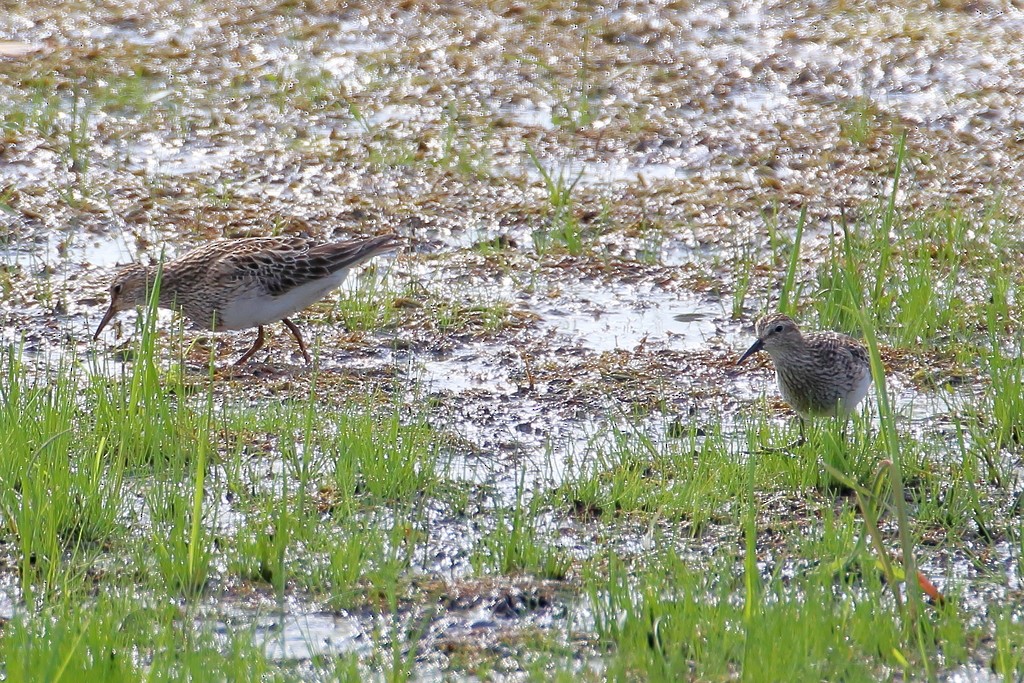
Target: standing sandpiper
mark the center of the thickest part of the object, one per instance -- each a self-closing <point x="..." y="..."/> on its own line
<point x="819" y="374"/>
<point x="242" y="283"/>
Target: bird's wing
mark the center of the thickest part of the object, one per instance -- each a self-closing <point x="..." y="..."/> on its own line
<point x="253" y="260"/>
<point x="280" y="264"/>
<point x="839" y="350"/>
<point x="860" y="354"/>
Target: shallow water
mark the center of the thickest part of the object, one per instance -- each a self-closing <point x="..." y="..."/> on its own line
<point x="688" y="130"/>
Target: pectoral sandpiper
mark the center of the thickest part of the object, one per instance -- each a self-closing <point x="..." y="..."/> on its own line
<point x="819" y="374"/>
<point x="241" y="283"/>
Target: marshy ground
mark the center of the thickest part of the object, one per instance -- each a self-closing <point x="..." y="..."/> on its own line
<point x="523" y="450"/>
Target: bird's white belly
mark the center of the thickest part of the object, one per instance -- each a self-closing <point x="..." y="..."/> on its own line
<point x="260" y="308"/>
<point x="856" y="394"/>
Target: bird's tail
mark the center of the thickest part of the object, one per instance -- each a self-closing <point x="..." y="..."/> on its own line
<point x="350" y="253"/>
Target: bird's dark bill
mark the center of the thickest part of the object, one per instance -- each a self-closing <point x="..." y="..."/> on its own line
<point x="106" y="319"/>
<point x="754" y="348"/>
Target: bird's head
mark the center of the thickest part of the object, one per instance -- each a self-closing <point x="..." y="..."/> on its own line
<point x="776" y="334"/>
<point x="129" y="289"/>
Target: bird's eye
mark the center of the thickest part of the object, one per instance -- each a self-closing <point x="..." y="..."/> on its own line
<point x="116" y="289"/>
<point x="778" y="328"/>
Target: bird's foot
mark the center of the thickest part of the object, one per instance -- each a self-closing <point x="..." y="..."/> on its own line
<point x="787" y="449"/>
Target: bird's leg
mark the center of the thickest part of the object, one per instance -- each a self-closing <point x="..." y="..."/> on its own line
<point x="256" y="346"/>
<point x="845" y="431"/>
<point x="801" y="440"/>
<point x="298" y="337"/>
<point x="788" y="447"/>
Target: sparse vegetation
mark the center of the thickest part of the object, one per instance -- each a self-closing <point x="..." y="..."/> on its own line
<point x="523" y="449"/>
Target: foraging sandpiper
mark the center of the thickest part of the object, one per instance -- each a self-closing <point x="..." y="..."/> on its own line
<point x="819" y="374"/>
<point x="240" y="283"/>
